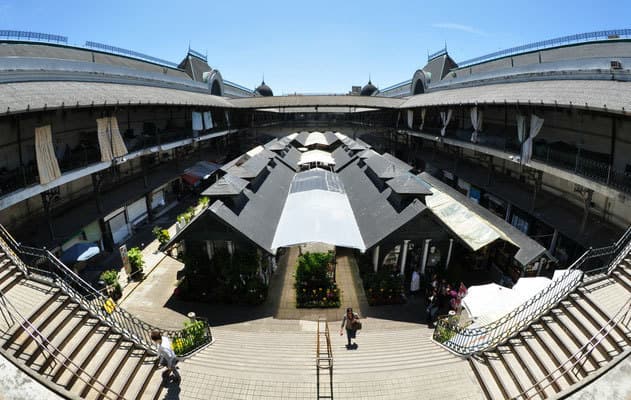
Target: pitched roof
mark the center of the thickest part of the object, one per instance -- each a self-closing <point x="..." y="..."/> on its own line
<point x="227" y="185"/>
<point x="409" y="184"/>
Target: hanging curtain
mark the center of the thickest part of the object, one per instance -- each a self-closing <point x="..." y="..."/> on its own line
<point x="110" y="140"/>
<point x="118" y="144"/>
<point x="47" y="165"/>
<point x="476" y="122"/>
<point x="208" y="120"/>
<point x="227" y="114"/>
<point x="103" y="133"/>
<point x="410" y="119"/>
<point x="535" y="126"/>
<point x="521" y="128"/>
<point x="422" y="119"/>
<point x="445" y="117"/>
<point x="197" y="121"/>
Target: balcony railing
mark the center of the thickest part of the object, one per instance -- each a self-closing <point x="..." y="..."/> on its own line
<point x="43" y="264"/>
<point x="580" y="162"/>
<point x="467" y="341"/>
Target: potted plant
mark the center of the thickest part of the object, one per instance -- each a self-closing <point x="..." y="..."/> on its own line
<point x="136" y="262"/>
<point x="161" y="235"/>
<point x="113" y="287"/>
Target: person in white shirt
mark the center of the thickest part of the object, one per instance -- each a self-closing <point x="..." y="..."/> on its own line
<point x="167" y="356"/>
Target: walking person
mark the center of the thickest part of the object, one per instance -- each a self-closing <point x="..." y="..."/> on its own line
<point x="351" y="323"/>
<point x="167" y="357"/>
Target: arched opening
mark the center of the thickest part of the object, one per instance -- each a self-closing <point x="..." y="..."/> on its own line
<point x="418" y="87"/>
<point x="215" y="89"/>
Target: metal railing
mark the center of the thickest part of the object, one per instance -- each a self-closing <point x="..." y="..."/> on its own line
<point x="324" y="355"/>
<point x="580" y="356"/>
<point x="43" y="264"/>
<point x="32" y="36"/>
<point x="54" y="352"/>
<point x="545" y="44"/>
<point x="467" y="341"/>
<point x="575" y="161"/>
<point x="131" y="53"/>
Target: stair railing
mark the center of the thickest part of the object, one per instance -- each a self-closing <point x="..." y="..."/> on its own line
<point x="467" y="341"/>
<point x="579" y="357"/>
<point x="43" y="264"/>
<point x="324" y="355"/>
<point x="54" y="352"/>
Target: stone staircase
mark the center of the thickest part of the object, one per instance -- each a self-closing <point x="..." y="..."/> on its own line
<point x="531" y="357"/>
<point x="83" y="357"/>
<point x="277" y="359"/>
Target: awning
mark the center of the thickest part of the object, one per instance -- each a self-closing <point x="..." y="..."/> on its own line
<point x="468" y="226"/>
<point x="200" y="171"/>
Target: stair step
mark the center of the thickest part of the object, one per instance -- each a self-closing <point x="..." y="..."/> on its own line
<point x="147" y="383"/>
<point x="61" y="320"/>
<point x="557" y="347"/>
<point x="541" y="364"/>
<point x="125" y="379"/>
<point x="82" y="355"/>
<point x="597" y="322"/>
<point x="96" y="364"/>
<point x="107" y="372"/>
<point x="484" y="377"/>
<point x="68" y="342"/>
<point x="18" y="331"/>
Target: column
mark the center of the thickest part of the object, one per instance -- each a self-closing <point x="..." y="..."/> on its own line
<point x="375" y="258"/>
<point x="404" y="256"/>
<point x="554" y="241"/>
<point x="425" y="253"/>
<point x="451" y="245"/>
<point x="509" y="208"/>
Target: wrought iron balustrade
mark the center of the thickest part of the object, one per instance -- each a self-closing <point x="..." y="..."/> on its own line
<point x="466" y="341"/>
<point x="43" y="264"/>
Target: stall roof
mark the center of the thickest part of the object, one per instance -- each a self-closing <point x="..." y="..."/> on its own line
<point x="384" y="168"/>
<point x="247" y="167"/>
<point x="409" y="184"/>
<point x="316" y="156"/>
<point x="227" y="185"/>
<point x="316" y="138"/>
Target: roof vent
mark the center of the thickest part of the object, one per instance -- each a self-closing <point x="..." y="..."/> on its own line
<point x="615" y="64"/>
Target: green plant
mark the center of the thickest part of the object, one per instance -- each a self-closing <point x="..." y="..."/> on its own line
<point x="186" y="216"/>
<point x="203" y="202"/>
<point x="194" y="334"/>
<point x="110" y="277"/>
<point x="443" y="333"/>
<point x="135" y="261"/>
<point x="314" y="287"/>
<point x="161" y="235"/>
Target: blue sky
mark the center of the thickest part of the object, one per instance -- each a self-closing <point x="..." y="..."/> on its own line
<point x="316" y="46"/>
